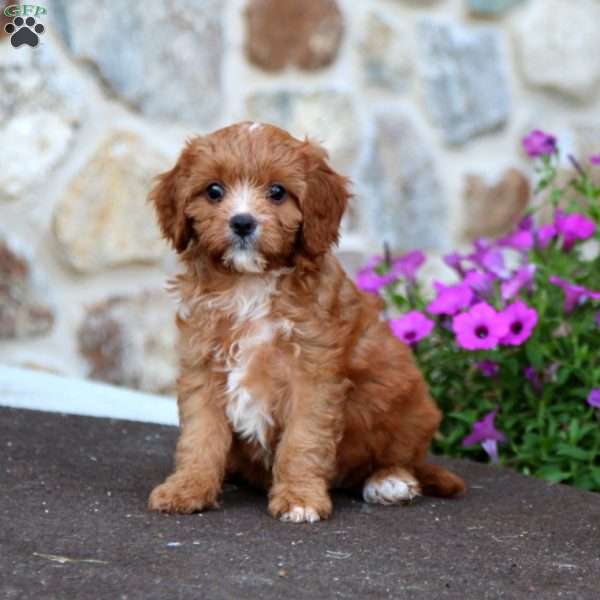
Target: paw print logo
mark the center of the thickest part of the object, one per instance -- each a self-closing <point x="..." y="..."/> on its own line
<point x="24" y="32"/>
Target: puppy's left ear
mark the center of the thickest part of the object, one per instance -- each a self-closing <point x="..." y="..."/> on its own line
<point x="324" y="202"/>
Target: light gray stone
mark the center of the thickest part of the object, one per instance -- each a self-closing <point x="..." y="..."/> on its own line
<point x="40" y="107"/>
<point x="417" y="3"/>
<point x="103" y="219"/>
<point x="131" y="341"/>
<point x="24" y="307"/>
<point x="352" y="260"/>
<point x="327" y="116"/>
<point x="465" y="84"/>
<point x="492" y="8"/>
<point x="385" y="58"/>
<point x="400" y="191"/>
<point x="559" y="45"/>
<point x="587" y="144"/>
<point x="162" y="57"/>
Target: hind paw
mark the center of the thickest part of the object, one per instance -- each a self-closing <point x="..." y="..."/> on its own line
<point x="394" y="488"/>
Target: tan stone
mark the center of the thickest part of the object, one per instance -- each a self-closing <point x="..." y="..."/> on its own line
<point x="132" y="341"/>
<point x="103" y="219"/>
<point x="280" y="33"/>
<point x="24" y="308"/>
<point x="491" y="210"/>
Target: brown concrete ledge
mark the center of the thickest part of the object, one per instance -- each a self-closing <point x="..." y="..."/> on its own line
<point x="74" y="526"/>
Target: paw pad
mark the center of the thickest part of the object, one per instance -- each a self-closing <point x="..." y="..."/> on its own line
<point x="24" y="31"/>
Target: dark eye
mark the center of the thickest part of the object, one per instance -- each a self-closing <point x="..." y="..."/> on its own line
<point x="215" y="192"/>
<point x="277" y="193"/>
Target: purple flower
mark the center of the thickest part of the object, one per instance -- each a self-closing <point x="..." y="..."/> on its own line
<point x="409" y="264"/>
<point x="574" y="294"/>
<point x="538" y="143"/>
<point x="370" y="281"/>
<point x="523" y="277"/>
<point x="595" y="160"/>
<point x="533" y="378"/>
<point x="521" y="239"/>
<point x="598" y="319"/>
<point x="485" y="433"/>
<point x="489" y="258"/>
<point x="412" y="327"/>
<point x="593" y="398"/>
<point x="489" y="368"/>
<point x="526" y="223"/>
<point x="573" y="227"/>
<point x="545" y="234"/>
<point x="454" y="261"/>
<point x="450" y="299"/>
<point x="521" y="322"/>
<point x="481" y="328"/>
<point x="481" y="283"/>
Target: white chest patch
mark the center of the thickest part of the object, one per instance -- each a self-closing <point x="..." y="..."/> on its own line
<point x="249" y="304"/>
<point x="248" y="415"/>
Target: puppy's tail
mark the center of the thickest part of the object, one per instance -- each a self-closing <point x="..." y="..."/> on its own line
<point x="437" y="481"/>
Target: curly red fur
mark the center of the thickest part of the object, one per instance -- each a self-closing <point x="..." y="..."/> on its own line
<point x="289" y="377"/>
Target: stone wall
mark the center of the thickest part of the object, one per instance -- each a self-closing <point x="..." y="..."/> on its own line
<point x="422" y="102"/>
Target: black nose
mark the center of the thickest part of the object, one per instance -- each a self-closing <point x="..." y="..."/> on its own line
<point x="243" y="225"/>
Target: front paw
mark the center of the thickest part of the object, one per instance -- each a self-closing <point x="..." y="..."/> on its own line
<point x="180" y="494"/>
<point x="294" y="508"/>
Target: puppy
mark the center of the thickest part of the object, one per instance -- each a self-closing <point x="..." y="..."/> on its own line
<point x="289" y="377"/>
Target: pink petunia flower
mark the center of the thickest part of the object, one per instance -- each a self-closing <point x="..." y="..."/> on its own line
<point x="485" y="433"/>
<point x="522" y="278"/>
<point x="412" y="327"/>
<point x="545" y="234"/>
<point x="409" y="264"/>
<point x="574" y="294"/>
<point x="573" y="228"/>
<point x="595" y="160"/>
<point x="539" y="143"/>
<point x="521" y="239"/>
<point x="450" y="299"/>
<point x="481" y="283"/>
<point x="488" y="368"/>
<point x="593" y="398"/>
<point x="526" y="223"/>
<point x="489" y="258"/>
<point x="521" y="321"/>
<point x="370" y="281"/>
<point x="481" y="328"/>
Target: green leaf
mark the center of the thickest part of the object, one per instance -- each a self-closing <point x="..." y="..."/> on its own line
<point x="552" y="473"/>
<point x="573" y="452"/>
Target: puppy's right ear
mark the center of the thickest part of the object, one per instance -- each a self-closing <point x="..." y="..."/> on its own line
<point x="169" y="204"/>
